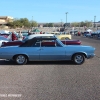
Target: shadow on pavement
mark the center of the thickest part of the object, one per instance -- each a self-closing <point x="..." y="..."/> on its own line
<point x="4" y="62"/>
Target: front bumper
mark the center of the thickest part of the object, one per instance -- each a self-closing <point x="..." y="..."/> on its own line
<point x="90" y="56"/>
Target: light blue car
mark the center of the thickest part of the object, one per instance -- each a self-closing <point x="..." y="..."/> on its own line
<point x="46" y="47"/>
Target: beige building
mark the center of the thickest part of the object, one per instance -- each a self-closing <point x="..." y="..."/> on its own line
<point x="5" y="19"/>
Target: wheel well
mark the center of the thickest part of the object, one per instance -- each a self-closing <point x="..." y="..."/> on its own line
<point x="19" y="54"/>
<point x="63" y="38"/>
<point x="79" y="53"/>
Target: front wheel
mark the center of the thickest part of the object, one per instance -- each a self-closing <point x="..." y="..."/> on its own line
<point x="21" y="59"/>
<point x="79" y="59"/>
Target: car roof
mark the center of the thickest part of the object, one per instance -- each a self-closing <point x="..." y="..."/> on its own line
<point x="39" y="35"/>
<point x="43" y="38"/>
<point x="29" y="42"/>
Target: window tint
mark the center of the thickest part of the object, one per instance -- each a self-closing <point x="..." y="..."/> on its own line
<point x="36" y="43"/>
<point x="49" y="43"/>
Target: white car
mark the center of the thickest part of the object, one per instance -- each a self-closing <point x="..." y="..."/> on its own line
<point x="3" y="39"/>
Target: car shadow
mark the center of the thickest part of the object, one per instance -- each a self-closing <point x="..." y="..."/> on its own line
<point x="51" y="63"/>
<point x="5" y="62"/>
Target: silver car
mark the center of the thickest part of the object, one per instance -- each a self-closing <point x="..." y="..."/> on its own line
<point x="46" y="47"/>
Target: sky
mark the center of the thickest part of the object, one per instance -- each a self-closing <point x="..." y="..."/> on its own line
<point x="52" y="11"/>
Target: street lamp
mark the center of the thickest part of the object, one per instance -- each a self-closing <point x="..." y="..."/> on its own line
<point x="32" y="21"/>
<point x="61" y="22"/>
<point x="91" y="24"/>
<point x="66" y="17"/>
<point x="94" y="21"/>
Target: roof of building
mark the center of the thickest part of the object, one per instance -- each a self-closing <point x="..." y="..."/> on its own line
<point x="6" y="17"/>
<point x="3" y="23"/>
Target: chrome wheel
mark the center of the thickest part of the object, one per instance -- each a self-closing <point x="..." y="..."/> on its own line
<point x="79" y="59"/>
<point x="21" y="59"/>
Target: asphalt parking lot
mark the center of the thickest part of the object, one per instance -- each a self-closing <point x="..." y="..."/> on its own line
<point x="52" y="80"/>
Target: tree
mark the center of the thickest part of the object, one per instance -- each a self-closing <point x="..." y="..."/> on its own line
<point x="45" y="25"/>
<point x="34" y="24"/>
<point x="22" y="22"/>
<point x="50" y="25"/>
<point x="81" y="24"/>
<point x="75" y="24"/>
<point x="25" y="22"/>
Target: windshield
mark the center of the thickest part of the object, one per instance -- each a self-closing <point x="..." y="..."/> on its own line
<point x="25" y="39"/>
<point x="59" y="41"/>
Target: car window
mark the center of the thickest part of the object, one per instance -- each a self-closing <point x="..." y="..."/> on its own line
<point x="25" y="39"/>
<point x="49" y="43"/>
<point x="45" y="43"/>
<point x="36" y="43"/>
<point x="28" y="43"/>
<point x="41" y="42"/>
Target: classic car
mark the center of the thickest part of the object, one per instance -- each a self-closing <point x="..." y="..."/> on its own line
<point x="71" y="42"/>
<point x="62" y="35"/>
<point x="18" y="42"/>
<point x="36" y="48"/>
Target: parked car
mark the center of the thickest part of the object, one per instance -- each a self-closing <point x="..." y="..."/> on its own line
<point x="88" y="35"/>
<point x="71" y="42"/>
<point x="74" y="32"/>
<point x="36" y="48"/>
<point x="85" y="33"/>
<point x="18" y="42"/>
<point x="95" y="34"/>
<point x="62" y="35"/>
<point x="3" y="39"/>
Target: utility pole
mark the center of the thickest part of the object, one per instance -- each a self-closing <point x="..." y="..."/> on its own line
<point x="32" y="21"/>
<point x="66" y="17"/>
<point x="66" y="20"/>
<point x="94" y="21"/>
<point x="61" y="22"/>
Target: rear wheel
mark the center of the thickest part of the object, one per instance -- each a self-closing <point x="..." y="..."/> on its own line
<point x="21" y="59"/>
<point x="79" y="59"/>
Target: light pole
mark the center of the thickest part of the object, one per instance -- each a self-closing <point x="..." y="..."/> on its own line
<point x="66" y="17"/>
<point x="91" y="24"/>
<point x="32" y="21"/>
<point x="61" y="22"/>
<point x="94" y="21"/>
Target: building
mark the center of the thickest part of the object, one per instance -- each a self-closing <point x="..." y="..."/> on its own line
<point x="5" y="19"/>
<point x="96" y="24"/>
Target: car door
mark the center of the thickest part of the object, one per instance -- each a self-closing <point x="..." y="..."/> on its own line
<point x="52" y="52"/>
<point x="34" y="51"/>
